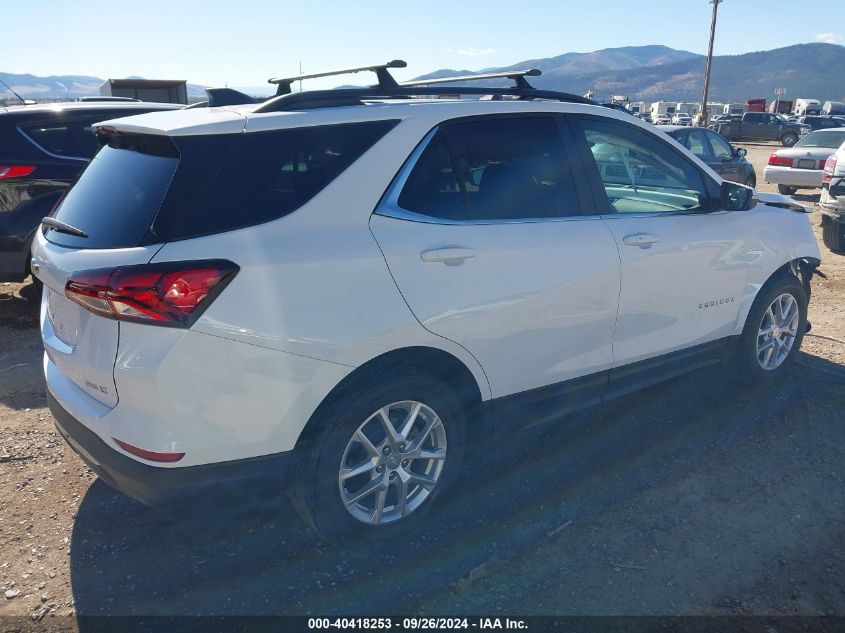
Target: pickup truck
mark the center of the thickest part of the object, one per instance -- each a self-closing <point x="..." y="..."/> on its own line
<point x="761" y="126"/>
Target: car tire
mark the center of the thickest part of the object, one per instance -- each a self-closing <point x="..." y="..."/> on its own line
<point x="833" y="235"/>
<point x="752" y="360"/>
<point x="751" y="181"/>
<point x="328" y="503"/>
<point x="789" y="139"/>
<point x="787" y="190"/>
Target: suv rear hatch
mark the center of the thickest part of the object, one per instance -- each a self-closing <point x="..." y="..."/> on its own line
<point x="129" y="179"/>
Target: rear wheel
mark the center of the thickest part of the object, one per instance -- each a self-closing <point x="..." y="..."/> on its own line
<point x="773" y="331"/>
<point x="833" y="235"/>
<point x="787" y="190"/>
<point x="789" y="139"/>
<point x="384" y="457"/>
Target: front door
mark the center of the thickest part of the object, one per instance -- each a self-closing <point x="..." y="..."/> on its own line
<point x="683" y="268"/>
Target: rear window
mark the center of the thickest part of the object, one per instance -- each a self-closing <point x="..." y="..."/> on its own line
<point x="150" y="189"/>
<point x="119" y="193"/>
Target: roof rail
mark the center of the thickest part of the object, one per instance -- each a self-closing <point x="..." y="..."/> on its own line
<point x="517" y="75"/>
<point x="357" y="96"/>
<point x="385" y="79"/>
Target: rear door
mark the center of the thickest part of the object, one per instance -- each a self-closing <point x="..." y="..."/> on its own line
<point x="490" y="233"/>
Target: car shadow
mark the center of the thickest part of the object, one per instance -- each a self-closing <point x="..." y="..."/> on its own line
<point x="260" y="559"/>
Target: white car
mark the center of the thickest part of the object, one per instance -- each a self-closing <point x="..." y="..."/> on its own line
<point x="333" y="294"/>
<point x="832" y="201"/>
<point x="662" y="119"/>
<point x="682" y="118"/>
<point x="800" y="166"/>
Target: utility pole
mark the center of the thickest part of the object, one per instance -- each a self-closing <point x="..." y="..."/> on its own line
<point x="704" y="112"/>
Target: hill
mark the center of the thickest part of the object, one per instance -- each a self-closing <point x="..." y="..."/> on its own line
<point x="805" y="70"/>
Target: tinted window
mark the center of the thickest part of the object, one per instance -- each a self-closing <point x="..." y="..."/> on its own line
<point x="721" y="148"/>
<point x="270" y="174"/>
<point x="639" y="173"/>
<point x="754" y="117"/>
<point x="119" y="193"/>
<point x="493" y="169"/>
<point x="68" y="137"/>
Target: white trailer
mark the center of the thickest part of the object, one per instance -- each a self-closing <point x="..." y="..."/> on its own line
<point x="734" y="108"/>
<point x="804" y="107"/>
<point x="662" y="107"/>
<point x="636" y="107"/>
<point x="688" y="107"/>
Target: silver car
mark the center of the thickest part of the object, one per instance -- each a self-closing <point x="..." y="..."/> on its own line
<point x="800" y="166"/>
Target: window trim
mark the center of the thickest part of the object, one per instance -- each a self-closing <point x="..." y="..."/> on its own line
<point x="48" y="152"/>
<point x="603" y="208"/>
<point x="388" y="205"/>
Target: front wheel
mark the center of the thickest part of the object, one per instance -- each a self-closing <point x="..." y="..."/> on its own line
<point x="787" y="190"/>
<point x="833" y="235"/>
<point x="751" y="181"/>
<point x="384" y="457"/>
<point x="789" y="139"/>
<point x="773" y="331"/>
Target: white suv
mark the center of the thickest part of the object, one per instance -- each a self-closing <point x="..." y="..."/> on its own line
<point x="330" y="291"/>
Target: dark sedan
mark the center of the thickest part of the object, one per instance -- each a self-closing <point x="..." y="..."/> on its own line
<point x="43" y="148"/>
<point x="711" y="147"/>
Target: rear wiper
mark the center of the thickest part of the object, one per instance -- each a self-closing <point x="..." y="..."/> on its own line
<point x="62" y="227"/>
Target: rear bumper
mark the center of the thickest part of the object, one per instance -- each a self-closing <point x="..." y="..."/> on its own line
<point x="163" y="487"/>
<point x="805" y="178"/>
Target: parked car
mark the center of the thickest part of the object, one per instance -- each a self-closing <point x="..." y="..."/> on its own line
<point x="722" y="157"/>
<point x="762" y="126"/>
<point x="832" y="201"/>
<point x="822" y="122"/>
<point x="336" y="301"/>
<point x="43" y="148"/>
<point x="801" y="166"/>
<point x="681" y="118"/>
<point x="662" y="119"/>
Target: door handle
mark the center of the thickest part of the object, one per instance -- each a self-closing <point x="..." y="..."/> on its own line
<point x="450" y="255"/>
<point x="643" y="240"/>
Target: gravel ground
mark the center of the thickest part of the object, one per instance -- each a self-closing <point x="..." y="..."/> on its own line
<point x="691" y="498"/>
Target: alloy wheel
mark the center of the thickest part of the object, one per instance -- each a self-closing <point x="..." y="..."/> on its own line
<point x="392" y="463"/>
<point x="777" y="332"/>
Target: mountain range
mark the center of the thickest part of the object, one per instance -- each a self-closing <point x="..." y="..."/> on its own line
<point x="643" y="73"/>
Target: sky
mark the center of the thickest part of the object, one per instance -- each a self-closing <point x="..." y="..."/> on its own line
<point x="245" y="42"/>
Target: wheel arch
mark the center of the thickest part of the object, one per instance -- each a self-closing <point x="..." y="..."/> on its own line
<point x="801" y="268"/>
<point x="443" y="365"/>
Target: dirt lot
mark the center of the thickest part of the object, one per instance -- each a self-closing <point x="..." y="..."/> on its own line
<point x="694" y="497"/>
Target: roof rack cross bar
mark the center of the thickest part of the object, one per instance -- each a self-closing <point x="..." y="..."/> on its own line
<point x="385" y="80"/>
<point x="518" y="77"/>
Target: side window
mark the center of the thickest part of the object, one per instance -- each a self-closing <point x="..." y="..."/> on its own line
<point x="493" y="169"/>
<point x="70" y="137"/>
<point x="753" y="117"/>
<point x="696" y="143"/>
<point x="639" y="173"/>
<point x="276" y="172"/>
<point x="721" y="148"/>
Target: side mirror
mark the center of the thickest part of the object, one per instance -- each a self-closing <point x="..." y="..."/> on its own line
<point x="741" y="152"/>
<point x="736" y="197"/>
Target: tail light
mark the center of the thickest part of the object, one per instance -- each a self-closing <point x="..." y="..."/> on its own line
<point x="171" y="294"/>
<point x="829" y="168"/>
<point x="15" y="171"/>
<point x="780" y="161"/>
